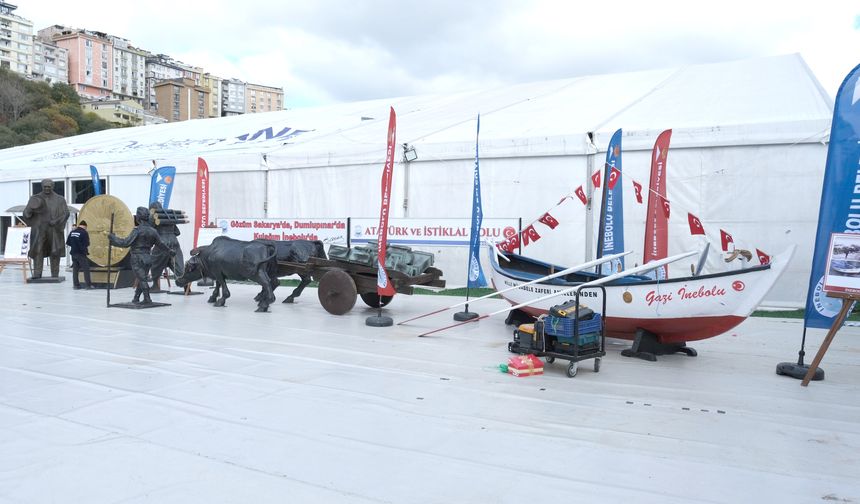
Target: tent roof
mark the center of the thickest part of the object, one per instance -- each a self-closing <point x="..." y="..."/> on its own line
<point x="756" y="101"/>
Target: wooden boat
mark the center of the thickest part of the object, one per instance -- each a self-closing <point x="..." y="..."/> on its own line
<point x="675" y="311"/>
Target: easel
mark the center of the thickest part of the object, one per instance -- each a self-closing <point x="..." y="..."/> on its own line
<point x="24" y="263"/>
<point x="848" y="299"/>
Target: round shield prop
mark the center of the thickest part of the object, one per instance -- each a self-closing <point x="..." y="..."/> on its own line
<point x="97" y="212"/>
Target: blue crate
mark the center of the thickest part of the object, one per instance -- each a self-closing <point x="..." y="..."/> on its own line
<point x="563" y="327"/>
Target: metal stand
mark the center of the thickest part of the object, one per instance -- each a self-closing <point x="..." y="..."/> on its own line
<point x="798" y="370"/>
<point x="465" y="314"/>
<point x="379" y="320"/>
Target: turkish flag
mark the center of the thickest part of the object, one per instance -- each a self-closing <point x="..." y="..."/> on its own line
<point x="549" y="220"/>
<point x="725" y="239"/>
<point x="512" y="243"/>
<point x="530" y="234"/>
<point x="614" y="174"/>
<point x="637" y="188"/>
<point x="595" y="177"/>
<point x="665" y="204"/>
<point x="696" y="227"/>
<point x="762" y="257"/>
<point x="581" y="193"/>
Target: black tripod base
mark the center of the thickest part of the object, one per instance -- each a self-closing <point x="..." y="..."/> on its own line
<point x="379" y="321"/>
<point x="798" y="371"/>
<point x="465" y="315"/>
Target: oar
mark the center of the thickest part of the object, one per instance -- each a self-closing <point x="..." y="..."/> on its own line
<point x="599" y="281"/>
<point x="572" y="269"/>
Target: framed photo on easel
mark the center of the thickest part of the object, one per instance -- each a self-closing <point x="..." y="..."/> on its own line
<point x="842" y="273"/>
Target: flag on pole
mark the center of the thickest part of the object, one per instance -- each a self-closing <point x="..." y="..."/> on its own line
<point x="162" y="185"/>
<point x="201" y="198"/>
<point x="97" y="183"/>
<point x="610" y="234"/>
<point x="839" y="202"/>
<point x="657" y="221"/>
<point x="383" y="283"/>
<point x="476" y="274"/>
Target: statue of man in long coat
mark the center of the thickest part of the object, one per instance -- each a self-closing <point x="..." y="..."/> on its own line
<point x="46" y="213"/>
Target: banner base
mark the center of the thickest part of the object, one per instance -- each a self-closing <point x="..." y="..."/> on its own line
<point x="465" y="315"/>
<point x="798" y="371"/>
<point x="379" y="321"/>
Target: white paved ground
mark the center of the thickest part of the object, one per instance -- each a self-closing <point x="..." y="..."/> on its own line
<point x="194" y="404"/>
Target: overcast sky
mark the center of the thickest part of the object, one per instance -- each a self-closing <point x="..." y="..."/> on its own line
<point x="327" y="51"/>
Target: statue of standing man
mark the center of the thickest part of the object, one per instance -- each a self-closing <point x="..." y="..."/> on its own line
<point x="46" y="213"/>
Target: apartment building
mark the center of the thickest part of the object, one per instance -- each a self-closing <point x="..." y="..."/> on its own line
<point x="90" y="59"/>
<point x="181" y="99"/>
<point x="16" y="41"/>
<point x="232" y="97"/>
<point x="159" y="68"/>
<point x="50" y="61"/>
<point x="259" y="98"/>
<point x="118" y="112"/>
<point x="212" y="84"/>
<point x="129" y="71"/>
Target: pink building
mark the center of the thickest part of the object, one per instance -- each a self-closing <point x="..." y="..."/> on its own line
<point x="90" y="60"/>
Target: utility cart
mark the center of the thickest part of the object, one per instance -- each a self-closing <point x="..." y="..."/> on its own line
<point x="567" y="333"/>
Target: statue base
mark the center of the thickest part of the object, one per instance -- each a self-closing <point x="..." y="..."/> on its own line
<point x="57" y="279"/>
<point x="183" y="293"/>
<point x="138" y="306"/>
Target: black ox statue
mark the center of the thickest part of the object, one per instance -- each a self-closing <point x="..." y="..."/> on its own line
<point x="229" y="259"/>
<point x="295" y="251"/>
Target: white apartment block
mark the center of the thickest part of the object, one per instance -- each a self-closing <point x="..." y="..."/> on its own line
<point x="129" y="71"/>
<point x="232" y="97"/>
<point x="16" y="41"/>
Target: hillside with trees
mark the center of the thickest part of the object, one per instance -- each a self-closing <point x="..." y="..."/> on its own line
<point x="35" y="111"/>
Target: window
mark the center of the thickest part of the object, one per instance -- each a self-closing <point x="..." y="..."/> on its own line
<point x="82" y="190"/>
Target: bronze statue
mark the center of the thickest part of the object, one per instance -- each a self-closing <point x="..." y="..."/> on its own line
<point x="168" y="231"/>
<point x="142" y="239"/>
<point x="46" y="213"/>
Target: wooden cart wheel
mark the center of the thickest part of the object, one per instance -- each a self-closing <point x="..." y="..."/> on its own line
<point x="371" y="299"/>
<point x="337" y="292"/>
<point x="572" y="369"/>
<point x="597" y="365"/>
<point x="550" y="359"/>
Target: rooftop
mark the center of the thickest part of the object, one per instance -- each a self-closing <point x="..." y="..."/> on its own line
<point x="191" y="403"/>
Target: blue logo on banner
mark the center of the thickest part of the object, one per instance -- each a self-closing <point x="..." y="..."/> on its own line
<point x="97" y="185"/>
<point x="476" y="274"/>
<point x="840" y="195"/>
<point x="162" y="185"/>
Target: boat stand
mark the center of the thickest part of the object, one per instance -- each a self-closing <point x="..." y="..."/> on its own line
<point x="646" y="347"/>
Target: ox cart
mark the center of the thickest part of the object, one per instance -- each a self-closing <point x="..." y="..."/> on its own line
<point x="352" y="273"/>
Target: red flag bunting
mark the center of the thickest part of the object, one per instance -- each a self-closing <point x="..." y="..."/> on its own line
<point x="665" y="204"/>
<point x="762" y="257"/>
<point x="549" y="220"/>
<point x="614" y="174"/>
<point x="696" y="227"/>
<point x="595" y="178"/>
<point x="581" y="193"/>
<point x="725" y="239"/>
<point x="637" y="188"/>
<point x="530" y="234"/>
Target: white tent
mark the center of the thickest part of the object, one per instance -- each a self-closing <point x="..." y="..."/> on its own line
<point x="747" y="155"/>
